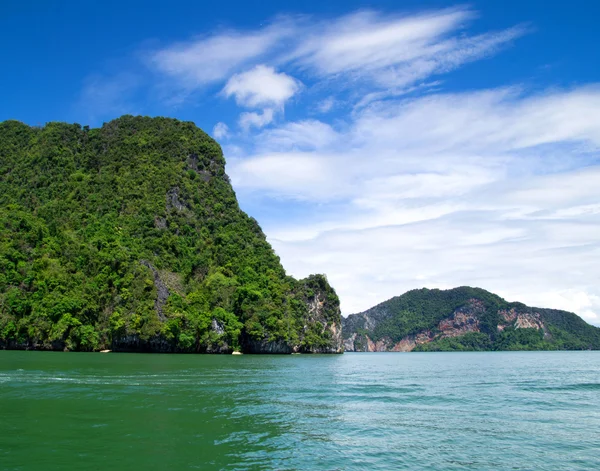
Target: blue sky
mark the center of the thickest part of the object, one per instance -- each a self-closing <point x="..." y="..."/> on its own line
<point x="391" y="145"/>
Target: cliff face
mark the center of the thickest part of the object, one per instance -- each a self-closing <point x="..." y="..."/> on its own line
<point x="464" y="319"/>
<point x="129" y="237"/>
<point x="321" y="323"/>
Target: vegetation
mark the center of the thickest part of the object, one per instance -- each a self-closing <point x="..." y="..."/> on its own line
<point x="131" y="236"/>
<point x="422" y="310"/>
<point x="418" y="310"/>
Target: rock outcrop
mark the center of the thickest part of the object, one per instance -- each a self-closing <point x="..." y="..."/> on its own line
<point x="162" y="292"/>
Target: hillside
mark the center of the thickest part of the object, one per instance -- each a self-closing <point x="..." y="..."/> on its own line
<point x="464" y="318"/>
<point x="129" y="237"/>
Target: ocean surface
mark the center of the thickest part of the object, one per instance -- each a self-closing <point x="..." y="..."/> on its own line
<point x="357" y="411"/>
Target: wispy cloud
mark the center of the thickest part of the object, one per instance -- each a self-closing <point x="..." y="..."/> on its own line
<point x="492" y="130"/>
<point x="299" y="135"/>
<point x="214" y="58"/>
<point x="220" y="131"/>
<point x="368" y="40"/>
<point x="326" y="105"/>
<point x="253" y="119"/>
<point x="482" y="188"/>
<point x="391" y="53"/>
<point x="369" y="54"/>
<point x="397" y="51"/>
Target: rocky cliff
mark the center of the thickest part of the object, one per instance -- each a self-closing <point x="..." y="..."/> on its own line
<point x="464" y="319"/>
<point x="129" y="237"/>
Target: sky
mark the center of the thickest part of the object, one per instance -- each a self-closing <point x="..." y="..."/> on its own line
<point x="391" y="145"/>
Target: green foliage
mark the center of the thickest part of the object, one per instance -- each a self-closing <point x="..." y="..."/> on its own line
<point x="423" y="310"/>
<point x="81" y="209"/>
<point x="522" y="339"/>
<point x="471" y="341"/>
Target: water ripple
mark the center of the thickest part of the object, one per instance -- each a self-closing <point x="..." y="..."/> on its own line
<point x="471" y="411"/>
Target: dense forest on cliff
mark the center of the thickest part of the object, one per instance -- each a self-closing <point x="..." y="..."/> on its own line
<point x="130" y="237"/>
<point x="466" y="318"/>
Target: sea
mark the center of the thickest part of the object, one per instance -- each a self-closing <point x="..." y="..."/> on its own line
<point x="356" y="411"/>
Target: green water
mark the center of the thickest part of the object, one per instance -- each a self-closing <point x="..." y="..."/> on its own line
<point x="446" y="411"/>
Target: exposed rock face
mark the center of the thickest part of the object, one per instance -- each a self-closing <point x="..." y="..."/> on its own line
<point x="217" y="327"/>
<point x="409" y="342"/>
<point x="133" y="343"/>
<point x="323" y="312"/>
<point x="349" y="345"/>
<point x="464" y="319"/>
<point x="508" y="315"/>
<point x="159" y="344"/>
<point x="160" y="222"/>
<point x="337" y="345"/>
<point x="526" y="321"/>
<point x="459" y="324"/>
<point x="266" y="346"/>
<point x="162" y="293"/>
<point x="192" y="163"/>
<point x="521" y="320"/>
<point x="367" y="320"/>
<point x="357" y="343"/>
<point x="323" y="318"/>
<point x="173" y="201"/>
<point x="320" y="309"/>
<point x="379" y="346"/>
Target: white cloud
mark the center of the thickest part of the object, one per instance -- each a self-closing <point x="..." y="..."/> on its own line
<point x="393" y="52"/>
<point x="534" y="262"/>
<point x="396" y="51"/>
<point x="308" y="134"/>
<point x="220" y="131"/>
<point x="367" y="40"/>
<point x="261" y="87"/>
<point x="211" y="59"/>
<point x="249" y="120"/>
<point x="294" y="170"/>
<point x="326" y="105"/>
<point x="474" y="137"/>
<point x="496" y="189"/>
<point x="496" y="120"/>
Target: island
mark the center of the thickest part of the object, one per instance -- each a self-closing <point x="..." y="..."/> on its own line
<point x="129" y="237"/>
<point x="464" y="319"/>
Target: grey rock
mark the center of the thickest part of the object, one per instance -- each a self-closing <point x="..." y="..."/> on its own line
<point x="173" y="201"/>
<point x="160" y="223"/>
<point x="217" y="327"/>
<point x="162" y="292"/>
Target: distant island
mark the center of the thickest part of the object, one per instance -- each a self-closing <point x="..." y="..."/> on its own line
<point x="129" y="237"/>
<point x="464" y="319"/>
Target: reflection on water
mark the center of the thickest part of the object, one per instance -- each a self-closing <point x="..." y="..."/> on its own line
<point x="447" y="411"/>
